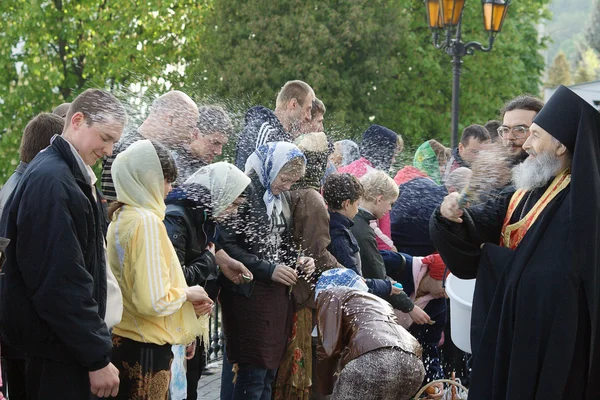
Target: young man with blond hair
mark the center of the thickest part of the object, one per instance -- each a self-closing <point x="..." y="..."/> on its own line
<point x="291" y="118"/>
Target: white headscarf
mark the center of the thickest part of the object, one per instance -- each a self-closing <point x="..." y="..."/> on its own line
<point x="138" y="178"/>
<point x="224" y="181"/>
<point x="267" y="161"/>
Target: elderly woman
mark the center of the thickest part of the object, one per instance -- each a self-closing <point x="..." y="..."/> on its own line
<point x="345" y="153"/>
<point x="158" y="304"/>
<point x="311" y="234"/>
<point x="257" y="317"/>
<point x="360" y="335"/>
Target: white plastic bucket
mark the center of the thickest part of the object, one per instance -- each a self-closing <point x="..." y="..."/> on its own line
<point x="460" y="292"/>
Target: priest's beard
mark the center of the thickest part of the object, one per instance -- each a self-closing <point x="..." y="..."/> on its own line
<point x="535" y="172"/>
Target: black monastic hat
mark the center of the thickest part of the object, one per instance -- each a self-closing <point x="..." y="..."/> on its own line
<point x="563" y="114"/>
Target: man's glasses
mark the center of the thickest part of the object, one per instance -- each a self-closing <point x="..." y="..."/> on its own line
<point x="519" y="131"/>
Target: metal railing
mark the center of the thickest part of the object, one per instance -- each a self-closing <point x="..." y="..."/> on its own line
<point x="215" y="334"/>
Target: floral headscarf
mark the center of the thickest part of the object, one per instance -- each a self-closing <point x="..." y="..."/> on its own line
<point x="267" y="161"/>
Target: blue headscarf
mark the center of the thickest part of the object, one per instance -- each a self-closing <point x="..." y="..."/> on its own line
<point x="340" y="277"/>
<point x="267" y="161"/>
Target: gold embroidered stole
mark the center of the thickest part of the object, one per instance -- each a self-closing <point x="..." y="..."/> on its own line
<point x="512" y="234"/>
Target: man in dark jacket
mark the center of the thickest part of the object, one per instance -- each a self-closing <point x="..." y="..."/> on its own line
<point x="211" y="134"/>
<point x="53" y="292"/>
<point x="36" y="137"/>
<point x="292" y="114"/>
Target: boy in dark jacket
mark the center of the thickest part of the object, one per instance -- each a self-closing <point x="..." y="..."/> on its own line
<point x="54" y="288"/>
<point x="342" y="193"/>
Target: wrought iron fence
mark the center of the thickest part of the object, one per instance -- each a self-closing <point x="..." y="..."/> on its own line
<point x="215" y="334"/>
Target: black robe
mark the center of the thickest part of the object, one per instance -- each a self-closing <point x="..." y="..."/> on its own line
<point x="530" y="326"/>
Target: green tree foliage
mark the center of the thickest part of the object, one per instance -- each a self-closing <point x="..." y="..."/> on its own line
<point x="369" y="61"/>
<point x="559" y="72"/>
<point x="53" y="50"/>
<point x="592" y="33"/>
<point x="588" y="67"/>
<point x="565" y="28"/>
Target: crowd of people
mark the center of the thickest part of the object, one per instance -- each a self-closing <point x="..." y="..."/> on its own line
<point x="328" y="270"/>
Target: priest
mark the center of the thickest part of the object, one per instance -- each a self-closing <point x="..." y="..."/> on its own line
<point x="535" y="251"/>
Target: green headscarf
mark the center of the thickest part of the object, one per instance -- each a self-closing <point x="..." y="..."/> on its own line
<point x="429" y="157"/>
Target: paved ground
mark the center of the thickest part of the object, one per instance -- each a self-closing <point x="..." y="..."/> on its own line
<point x="209" y="386"/>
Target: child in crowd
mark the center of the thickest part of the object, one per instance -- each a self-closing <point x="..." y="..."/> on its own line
<point x="353" y="243"/>
<point x="342" y="193"/>
<point x="380" y="192"/>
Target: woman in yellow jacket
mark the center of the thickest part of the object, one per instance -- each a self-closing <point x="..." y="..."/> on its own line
<point x="159" y="309"/>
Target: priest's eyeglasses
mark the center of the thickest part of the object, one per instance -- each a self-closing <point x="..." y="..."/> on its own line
<point x="519" y="131"/>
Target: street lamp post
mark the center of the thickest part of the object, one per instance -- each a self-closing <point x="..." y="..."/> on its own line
<point x="446" y="16"/>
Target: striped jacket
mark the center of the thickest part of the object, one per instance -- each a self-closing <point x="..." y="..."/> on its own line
<point x="261" y="126"/>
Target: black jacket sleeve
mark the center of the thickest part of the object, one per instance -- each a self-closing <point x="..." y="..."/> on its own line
<point x="370" y="258"/>
<point x="232" y="243"/>
<point x="51" y="262"/>
<point x="197" y="271"/>
<point x="401" y="302"/>
<point x="460" y="244"/>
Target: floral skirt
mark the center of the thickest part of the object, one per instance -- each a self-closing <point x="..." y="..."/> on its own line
<point x="144" y="369"/>
<point x="295" y="371"/>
